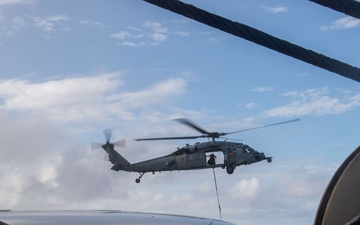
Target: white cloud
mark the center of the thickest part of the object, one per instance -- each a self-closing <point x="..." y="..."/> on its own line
<point x="18" y="22"/>
<point x="156" y="27"/>
<point x="151" y="34"/>
<point x="24" y="95"/>
<point x="133" y="44"/>
<point x="246" y="188"/>
<point x="182" y="33"/>
<point x="10" y="2"/>
<point x="275" y="9"/>
<point x="251" y="105"/>
<point x="134" y="28"/>
<point x="158" y="94"/>
<point x="39" y="157"/>
<point x="121" y="35"/>
<point x="51" y="23"/>
<point x="314" y="102"/>
<point x="261" y="89"/>
<point x="15" y="25"/>
<point x="93" y="23"/>
<point x="342" y="23"/>
<point x="158" y="37"/>
<point x="85" y="98"/>
<point x="296" y="185"/>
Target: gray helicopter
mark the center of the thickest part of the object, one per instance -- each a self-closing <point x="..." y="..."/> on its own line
<point x="189" y="157"/>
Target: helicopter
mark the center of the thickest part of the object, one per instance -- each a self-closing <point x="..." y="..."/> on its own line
<point x="189" y="157"/>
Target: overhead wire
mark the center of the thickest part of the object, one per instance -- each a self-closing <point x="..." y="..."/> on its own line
<point x="260" y="38"/>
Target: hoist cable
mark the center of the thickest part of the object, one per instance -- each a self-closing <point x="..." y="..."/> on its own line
<point x="217" y="193"/>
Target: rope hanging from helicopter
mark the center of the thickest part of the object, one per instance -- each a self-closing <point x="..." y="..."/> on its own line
<point x="217" y="193"/>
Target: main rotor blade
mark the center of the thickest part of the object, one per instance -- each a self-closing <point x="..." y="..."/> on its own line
<point x="253" y="128"/>
<point x="108" y="134"/>
<point x="168" y="138"/>
<point x="261" y="38"/>
<point x="192" y="125"/>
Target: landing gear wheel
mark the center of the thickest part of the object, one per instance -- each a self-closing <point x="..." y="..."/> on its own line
<point x="230" y="169"/>
<point x="138" y="179"/>
<point x="269" y="160"/>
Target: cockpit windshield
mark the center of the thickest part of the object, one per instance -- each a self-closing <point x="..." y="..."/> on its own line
<point x="247" y="149"/>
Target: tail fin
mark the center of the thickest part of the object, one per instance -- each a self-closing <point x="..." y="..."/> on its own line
<point x="120" y="163"/>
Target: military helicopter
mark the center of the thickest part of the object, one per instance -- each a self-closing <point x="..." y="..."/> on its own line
<point x="189" y="157"/>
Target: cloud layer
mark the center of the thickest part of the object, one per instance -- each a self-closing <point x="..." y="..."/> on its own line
<point x="40" y="154"/>
<point x="315" y="102"/>
<point x="342" y="23"/>
<point x="85" y="98"/>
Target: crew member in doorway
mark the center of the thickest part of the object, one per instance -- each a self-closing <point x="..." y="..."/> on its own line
<point x="212" y="158"/>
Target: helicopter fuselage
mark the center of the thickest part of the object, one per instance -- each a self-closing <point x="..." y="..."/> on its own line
<point x="192" y="157"/>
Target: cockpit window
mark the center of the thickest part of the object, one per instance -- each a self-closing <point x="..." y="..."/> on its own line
<point x="247" y="149"/>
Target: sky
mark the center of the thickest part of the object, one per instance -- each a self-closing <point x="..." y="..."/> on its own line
<point x="70" y="69"/>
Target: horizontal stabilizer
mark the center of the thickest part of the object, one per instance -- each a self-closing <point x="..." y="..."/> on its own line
<point x="117" y="167"/>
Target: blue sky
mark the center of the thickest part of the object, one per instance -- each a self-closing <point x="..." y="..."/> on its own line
<point x="69" y="70"/>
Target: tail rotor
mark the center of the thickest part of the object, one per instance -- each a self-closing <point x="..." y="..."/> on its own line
<point x="118" y="161"/>
<point x="108" y="134"/>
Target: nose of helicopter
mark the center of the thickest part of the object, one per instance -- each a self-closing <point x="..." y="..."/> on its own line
<point x="259" y="156"/>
